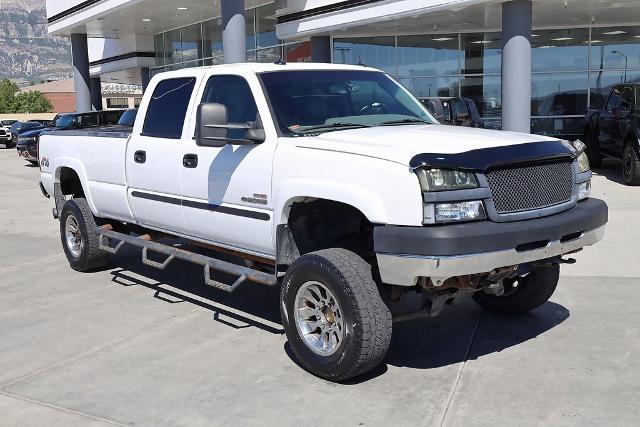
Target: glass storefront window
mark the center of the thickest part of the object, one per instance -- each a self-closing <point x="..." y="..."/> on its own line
<point x="615" y="48"/>
<point x="158" y="45"/>
<point x="486" y="93"/>
<point x="212" y="34"/>
<point x="427" y="87"/>
<point x="427" y="55"/>
<point x="601" y="83"/>
<point x="172" y="47"/>
<point x="266" y="26"/>
<point x="559" y="94"/>
<point x="560" y="50"/>
<point x="377" y="52"/>
<point x="482" y="53"/>
<point x="269" y="55"/>
<point x="191" y="46"/>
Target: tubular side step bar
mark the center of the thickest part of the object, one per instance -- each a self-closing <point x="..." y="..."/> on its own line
<point x="243" y="273"/>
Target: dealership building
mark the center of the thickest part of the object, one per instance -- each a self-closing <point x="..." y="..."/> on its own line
<point x="529" y="65"/>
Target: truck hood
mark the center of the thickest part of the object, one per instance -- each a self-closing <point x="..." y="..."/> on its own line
<point x="401" y="143"/>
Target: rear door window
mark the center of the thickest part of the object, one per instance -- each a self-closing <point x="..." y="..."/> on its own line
<point x="168" y="108"/>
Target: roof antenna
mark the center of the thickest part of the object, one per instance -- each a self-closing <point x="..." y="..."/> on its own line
<point x="280" y="62"/>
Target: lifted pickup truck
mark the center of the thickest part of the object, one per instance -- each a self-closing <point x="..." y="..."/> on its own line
<point x="614" y="131"/>
<point x="334" y="183"/>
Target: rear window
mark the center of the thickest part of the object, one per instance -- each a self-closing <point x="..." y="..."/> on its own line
<point x="168" y="107"/>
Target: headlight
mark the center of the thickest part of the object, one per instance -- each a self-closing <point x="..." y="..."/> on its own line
<point x="454" y="212"/>
<point x="446" y="180"/>
<point x="583" y="163"/>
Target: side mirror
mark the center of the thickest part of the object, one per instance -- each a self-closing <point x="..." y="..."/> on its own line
<point x="212" y="128"/>
<point x="211" y="125"/>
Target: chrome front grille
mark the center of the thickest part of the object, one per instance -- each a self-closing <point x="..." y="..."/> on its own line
<point x="531" y="187"/>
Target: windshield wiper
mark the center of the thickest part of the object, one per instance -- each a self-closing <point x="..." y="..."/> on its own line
<point x="335" y="126"/>
<point x="404" y="122"/>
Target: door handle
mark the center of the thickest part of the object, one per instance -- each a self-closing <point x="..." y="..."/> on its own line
<point x="140" y="156"/>
<point x="190" y="161"/>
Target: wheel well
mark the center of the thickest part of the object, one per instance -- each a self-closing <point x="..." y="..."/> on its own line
<point x="70" y="184"/>
<point x="317" y="224"/>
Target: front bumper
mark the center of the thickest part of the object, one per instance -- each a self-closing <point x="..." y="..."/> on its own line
<point x="406" y="253"/>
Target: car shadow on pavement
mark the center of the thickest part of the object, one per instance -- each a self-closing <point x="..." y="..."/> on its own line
<point x="455" y="338"/>
<point x="182" y="282"/>
<point x="462" y="332"/>
<point x="610" y="169"/>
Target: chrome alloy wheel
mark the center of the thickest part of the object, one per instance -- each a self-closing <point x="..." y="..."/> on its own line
<point x="318" y="318"/>
<point x="73" y="236"/>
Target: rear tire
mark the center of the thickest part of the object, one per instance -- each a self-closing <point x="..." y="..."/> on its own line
<point x="333" y="290"/>
<point x="593" y="149"/>
<point x="79" y="237"/>
<point x="522" y="294"/>
<point x="630" y="165"/>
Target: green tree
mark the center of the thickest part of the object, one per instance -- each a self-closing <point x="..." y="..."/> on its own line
<point x="8" y="91"/>
<point x="32" y="102"/>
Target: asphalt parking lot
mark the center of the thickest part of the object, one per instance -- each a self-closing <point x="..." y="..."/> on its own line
<point x="132" y="345"/>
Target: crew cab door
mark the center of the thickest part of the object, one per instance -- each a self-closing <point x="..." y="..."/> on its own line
<point x="607" y="122"/>
<point x="227" y="190"/>
<point x="154" y="154"/>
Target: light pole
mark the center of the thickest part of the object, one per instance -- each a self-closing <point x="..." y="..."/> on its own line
<point x="626" y="63"/>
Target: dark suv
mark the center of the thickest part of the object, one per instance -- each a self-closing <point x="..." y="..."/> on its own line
<point x="28" y="141"/>
<point x="614" y="131"/>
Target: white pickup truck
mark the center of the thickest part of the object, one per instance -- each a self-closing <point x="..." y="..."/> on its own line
<point x="334" y="183"/>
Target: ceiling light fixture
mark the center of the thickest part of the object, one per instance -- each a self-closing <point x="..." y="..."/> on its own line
<point x="183" y="8"/>
<point x="614" y="33"/>
<point x="442" y="39"/>
<point x="146" y="20"/>
<point x="562" y="39"/>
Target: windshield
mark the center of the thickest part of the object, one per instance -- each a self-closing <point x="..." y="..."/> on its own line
<point x="311" y="102"/>
<point x="7" y="122"/>
<point x="65" y="121"/>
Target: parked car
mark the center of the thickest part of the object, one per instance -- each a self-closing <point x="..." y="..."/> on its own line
<point x="338" y="187"/>
<point x="454" y="111"/>
<point x="27" y="145"/>
<point x="559" y="104"/>
<point x="614" y="131"/>
<point x="18" y="128"/>
<point x="5" y="132"/>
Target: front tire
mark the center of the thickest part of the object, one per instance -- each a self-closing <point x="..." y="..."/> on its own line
<point x="630" y="165"/>
<point x="336" y="322"/>
<point x="522" y="294"/>
<point x="79" y="238"/>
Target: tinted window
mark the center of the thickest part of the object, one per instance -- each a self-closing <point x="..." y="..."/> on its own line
<point x="111" y="117"/>
<point x="626" y="98"/>
<point x="614" y="99"/>
<point x="87" y="120"/>
<point x="128" y="118"/>
<point x="168" y="107"/>
<point x="234" y="93"/>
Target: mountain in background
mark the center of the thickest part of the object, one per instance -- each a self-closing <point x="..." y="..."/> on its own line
<point x="27" y="53"/>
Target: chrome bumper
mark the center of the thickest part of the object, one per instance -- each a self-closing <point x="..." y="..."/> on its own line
<point x="404" y="269"/>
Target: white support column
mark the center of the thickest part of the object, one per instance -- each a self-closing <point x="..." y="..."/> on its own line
<point x="234" y="32"/>
<point x="516" y="65"/>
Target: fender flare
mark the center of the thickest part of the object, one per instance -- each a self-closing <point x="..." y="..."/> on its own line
<point x="365" y="200"/>
<point x="78" y="168"/>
